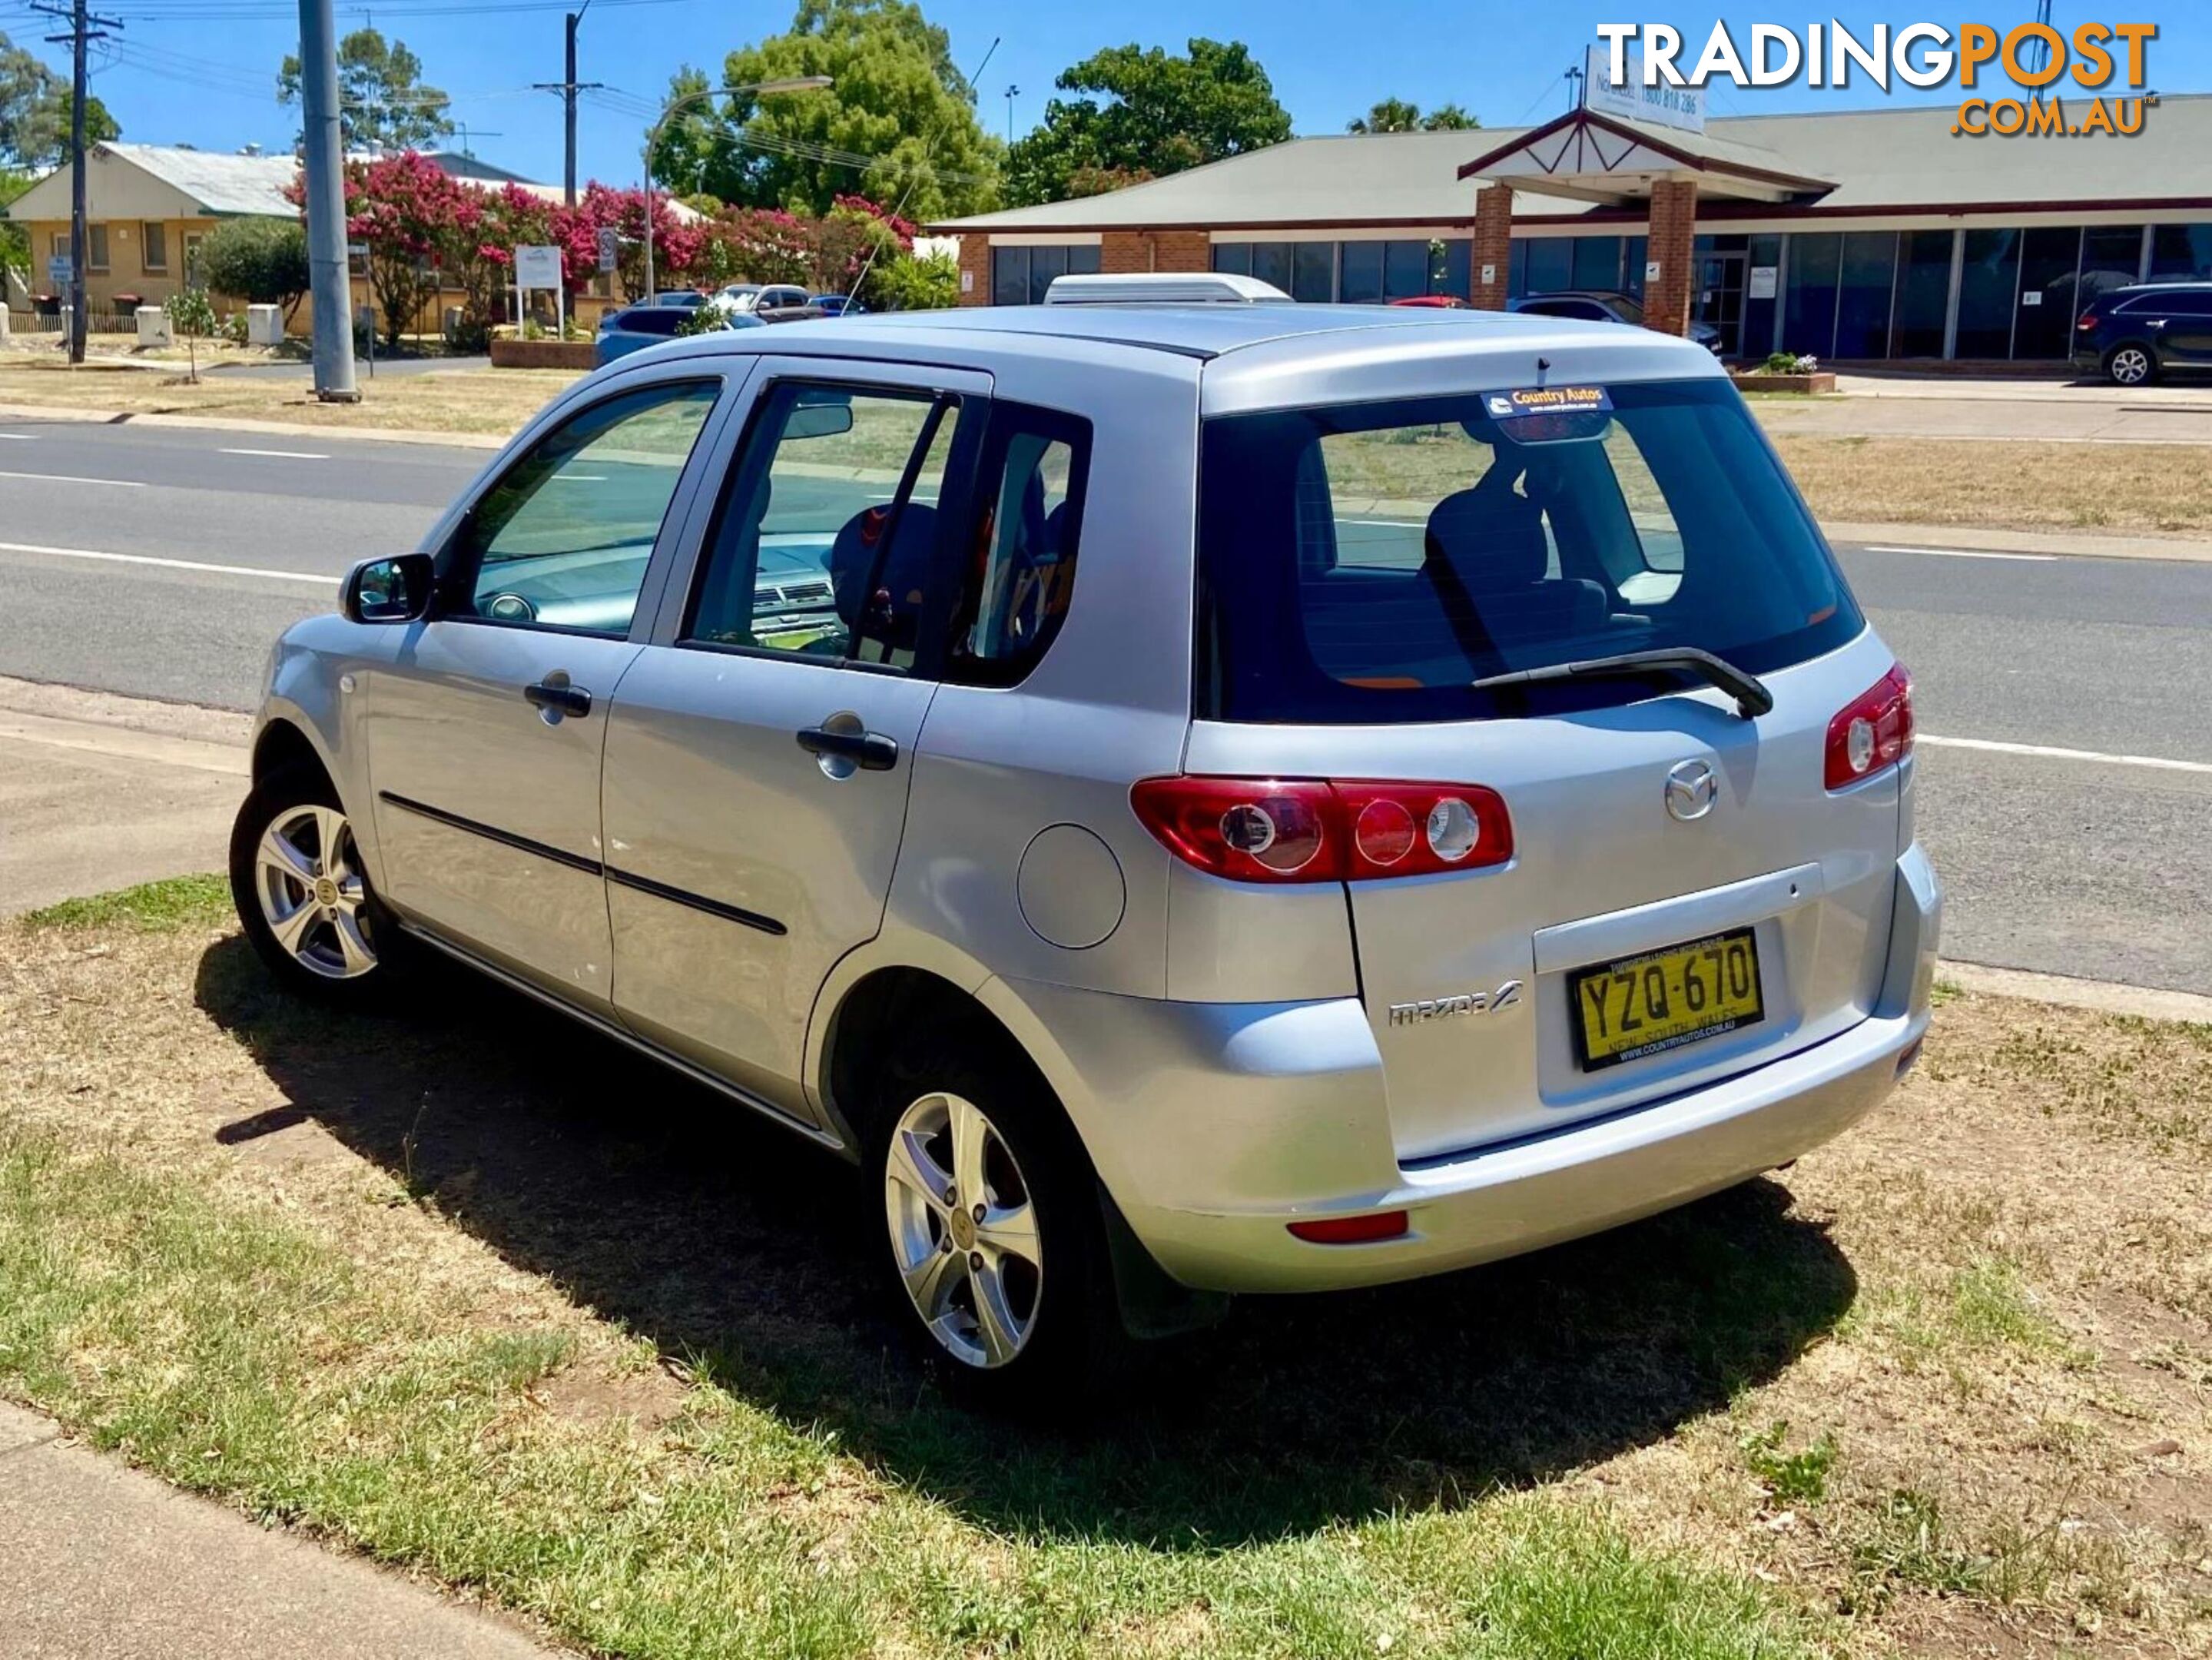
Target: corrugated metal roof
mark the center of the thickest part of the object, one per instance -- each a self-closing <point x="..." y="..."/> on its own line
<point x="219" y="183"/>
<point x="1888" y="158"/>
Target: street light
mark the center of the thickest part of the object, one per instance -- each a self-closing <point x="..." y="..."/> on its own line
<point x="790" y="83"/>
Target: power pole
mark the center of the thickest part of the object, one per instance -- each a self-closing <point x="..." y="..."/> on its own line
<point x="568" y="86"/>
<point x="84" y="28"/>
<point x="329" y="282"/>
<point x="1013" y="93"/>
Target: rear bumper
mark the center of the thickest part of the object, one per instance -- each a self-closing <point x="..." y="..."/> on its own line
<point x="1214" y="1126"/>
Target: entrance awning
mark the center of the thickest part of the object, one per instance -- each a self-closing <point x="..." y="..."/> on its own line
<point x="1612" y="160"/>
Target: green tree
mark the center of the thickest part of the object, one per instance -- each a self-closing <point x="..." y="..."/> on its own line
<point x="900" y="117"/>
<point x="262" y="261"/>
<point x="382" y="102"/>
<point x="1397" y="115"/>
<point x="34" y="113"/>
<point x="191" y="315"/>
<point x="15" y="239"/>
<point x="1143" y="114"/>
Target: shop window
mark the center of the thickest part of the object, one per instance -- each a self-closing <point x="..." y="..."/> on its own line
<point x="1634" y="253"/>
<point x="1596" y="263"/>
<point x="1313" y="271"/>
<point x="1020" y="275"/>
<point x="1234" y="257"/>
<point x="1045" y="264"/>
<point x="1454" y="273"/>
<point x="1360" y="281"/>
<point x="1010" y="276"/>
<point x="1923" y="294"/>
<point x="1808" y="308"/>
<point x="1988" y="283"/>
<point x="1551" y="264"/>
<point x="2180" y="252"/>
<point x="1863" y="296"/>
<point x="2050" y="277"/>
<point x="1516" y="270"/>
<point x="1762" y="295"/>
<point x="1271" y="263"/>
<point x="2112" y="255"/>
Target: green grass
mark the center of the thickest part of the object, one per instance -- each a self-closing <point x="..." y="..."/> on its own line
<point x="235" y="1349"/>
<point x="176" y="901"/>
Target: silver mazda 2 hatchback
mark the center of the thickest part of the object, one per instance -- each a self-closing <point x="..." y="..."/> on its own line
<point x="1193" y="797"/>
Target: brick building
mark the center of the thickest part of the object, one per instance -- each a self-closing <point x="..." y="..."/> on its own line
<point x="1853" y="235"/>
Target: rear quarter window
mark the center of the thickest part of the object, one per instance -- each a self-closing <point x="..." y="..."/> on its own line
<point x="1366" y="562"/>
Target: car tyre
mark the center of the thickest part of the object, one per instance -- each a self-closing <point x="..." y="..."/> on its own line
<point x="302" y="897"/>
<point x="2130" y="364"/>
<point x="988" y="1229"/>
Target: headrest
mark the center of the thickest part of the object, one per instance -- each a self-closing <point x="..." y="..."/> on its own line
<point x="1493" y="537"/>
<point x="890" y="609"/>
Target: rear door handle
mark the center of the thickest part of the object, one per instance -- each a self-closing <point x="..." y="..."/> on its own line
<point x="559" y="696"/>
<point x="869" y="750"/>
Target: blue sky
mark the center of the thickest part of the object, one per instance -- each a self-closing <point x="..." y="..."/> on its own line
<point x="203" y="72"/>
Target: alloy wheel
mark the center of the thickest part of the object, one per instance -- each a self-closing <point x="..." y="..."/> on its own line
<point x="306" y="875"/>
<point x="2130" y="366"/>
<point x="964" y="1231"/>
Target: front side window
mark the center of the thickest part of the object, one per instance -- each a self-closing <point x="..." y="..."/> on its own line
<point x="1018" y="586"/>
<point x="824" y="539"/>
<point x="1367" y="563"/>
<point x="563" y="539"/>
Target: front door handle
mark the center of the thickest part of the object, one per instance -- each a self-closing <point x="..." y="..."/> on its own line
<point x="558" y="696"/>
<point x="871" y="752"/>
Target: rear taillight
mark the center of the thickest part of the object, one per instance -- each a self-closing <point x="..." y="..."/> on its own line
<point x="2088" y="322"/>
<point x="1873" y="730"/>
<point x="1315" y="830"/>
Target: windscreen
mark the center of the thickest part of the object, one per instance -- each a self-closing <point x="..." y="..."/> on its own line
<point x="1366" y="562"/>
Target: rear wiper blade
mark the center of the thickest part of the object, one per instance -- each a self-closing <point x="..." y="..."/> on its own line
<point x="1752" y="697"/>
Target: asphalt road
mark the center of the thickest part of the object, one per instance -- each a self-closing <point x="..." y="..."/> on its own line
<point x="2091" y="863"/>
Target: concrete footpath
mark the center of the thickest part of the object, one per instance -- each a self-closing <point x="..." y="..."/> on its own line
<point x="99" y="792"/>
<point x="101" y="1562"/>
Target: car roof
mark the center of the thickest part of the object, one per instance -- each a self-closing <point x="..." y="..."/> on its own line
<point x="1254" y="356"/>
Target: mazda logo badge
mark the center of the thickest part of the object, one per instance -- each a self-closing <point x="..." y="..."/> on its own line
<point x="1690" y="790"/>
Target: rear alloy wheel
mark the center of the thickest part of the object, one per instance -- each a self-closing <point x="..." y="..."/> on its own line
<point x="2130" y="366"/>
<point x="964" y="1231"/>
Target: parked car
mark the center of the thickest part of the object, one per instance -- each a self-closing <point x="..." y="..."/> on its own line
<point x="1599" y="306"/>
<point x="772" y="302"/>
<point x="1193" y="798"/>
<point x="2135" y="334"/>
<point x="692" y="298"/>
<point x="837" y="305"/>
<point x="1445" y="302"/>
<point x="635" y="327"/>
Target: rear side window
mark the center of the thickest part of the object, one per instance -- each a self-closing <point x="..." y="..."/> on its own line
<point x="653" y="319"/>
<point x="1021" y="573"/>
<point x="1365" y="562"/>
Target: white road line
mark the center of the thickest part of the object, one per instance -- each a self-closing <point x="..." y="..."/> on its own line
<point x="64" y="478"/>
<point x="171" y="565"/>
<point x="2047" y="752"/>
<point x="281" y="455"/>
<point x="1967" y="553"/>
<point x="19" y="437"/>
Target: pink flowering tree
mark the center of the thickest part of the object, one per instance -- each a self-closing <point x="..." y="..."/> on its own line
<point x="412" y="214"/>
<point x="676" y="244"/>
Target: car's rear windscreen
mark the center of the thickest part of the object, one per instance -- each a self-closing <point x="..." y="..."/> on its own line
<point x="1365" y="562"/>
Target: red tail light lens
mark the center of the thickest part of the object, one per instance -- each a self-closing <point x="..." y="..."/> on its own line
<point x="1873" y="730"/>
<point x="1352" y="1230"/>
<point x="2088" y="322"/>
<point x="1313" y="830"/>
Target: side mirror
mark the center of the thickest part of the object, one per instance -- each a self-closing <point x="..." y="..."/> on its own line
<point x="389" y="590"/>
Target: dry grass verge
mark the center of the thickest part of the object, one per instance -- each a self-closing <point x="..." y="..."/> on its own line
<point x="2004" y="484"/>
<point x="479" y="1295"/>
<point x="456" y="401"/>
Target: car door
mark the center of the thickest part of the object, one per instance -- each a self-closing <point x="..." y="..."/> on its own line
<point x="485" y="732"/>
<point x="2186" y="339"/>
<point x="758" y="760"/>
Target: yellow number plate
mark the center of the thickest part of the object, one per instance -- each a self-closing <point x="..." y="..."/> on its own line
<point x="1662" y="1000"/>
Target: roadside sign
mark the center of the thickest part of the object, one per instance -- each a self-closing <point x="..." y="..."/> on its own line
<point x="610" y="247"/>
<point x="60" y="271"/>
<point x="538" y="267"/>
<point x="357" y="249"/>
<point x="1669" y="106"/>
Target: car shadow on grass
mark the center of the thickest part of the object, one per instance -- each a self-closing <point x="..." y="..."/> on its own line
<point x="738" y="1247"/>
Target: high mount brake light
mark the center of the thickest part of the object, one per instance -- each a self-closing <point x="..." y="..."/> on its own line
<point x="1316" y="829"/>
<point x="1872" y="730"/>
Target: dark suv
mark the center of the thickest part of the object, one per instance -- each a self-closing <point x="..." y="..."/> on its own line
<point x="2137" y="333"/>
